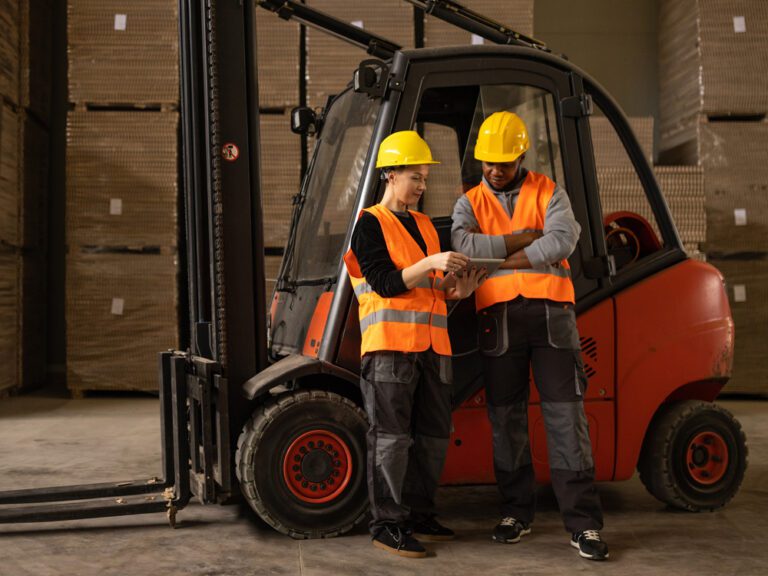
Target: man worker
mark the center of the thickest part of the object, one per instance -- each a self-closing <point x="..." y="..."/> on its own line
<point x="527" y="320"/>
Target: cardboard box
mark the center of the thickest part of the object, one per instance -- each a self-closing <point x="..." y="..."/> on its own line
<point x="9" y="320"/>
<point x="280" y="176"/>
<point x="122" y="178"/>
<point x="123" y="52"/>
<point x="713" y="60"/>
<point x="735" y="164"/>
<point x="9" y="50"/>
<point x="608" y="149"/>
<point x="331" y="62"/>
<point x="121" y="311"/>
<point x="747" y="285"/>
<point x="516" y="14"/>
<point x="278" y="60"/>
<point x="9" y="176"/>
<point x="683" y="189"/>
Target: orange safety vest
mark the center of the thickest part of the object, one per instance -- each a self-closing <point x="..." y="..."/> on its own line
<point x="414" y="320"/>
<point x="552" y="282"/>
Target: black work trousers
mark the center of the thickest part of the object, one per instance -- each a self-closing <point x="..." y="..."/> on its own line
<point x="408" y="401"/>
<point x="541" y="335"/>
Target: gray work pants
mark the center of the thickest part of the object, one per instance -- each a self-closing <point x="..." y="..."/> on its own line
<point x="541" y="335"/>
<point x="408" y="401"/>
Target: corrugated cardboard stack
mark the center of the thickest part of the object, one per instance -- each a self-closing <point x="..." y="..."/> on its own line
<point x="714" y="97"/>
<point x="279" y="54"/>
<point x="24" y="145"/>
<point x="712" y="62"/>
<point x="734" y="156"/>
<point x="123" y="51"/>
<point x="122" y="192"/>
<point x="331" y="62"/>
<point x="517" y="14"/>
<point x="621" y="189"/>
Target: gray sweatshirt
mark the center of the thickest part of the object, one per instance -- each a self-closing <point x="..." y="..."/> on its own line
<point x="561" y="231"/>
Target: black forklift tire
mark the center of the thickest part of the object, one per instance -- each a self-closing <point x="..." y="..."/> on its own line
<point x="301" y="462"/>
<point x="694" y="456"/>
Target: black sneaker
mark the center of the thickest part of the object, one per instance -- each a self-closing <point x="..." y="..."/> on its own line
<point x="589" y="545"/>
<point x="431" y="530"/>
<point x="393" y="539"/>
<point x="509" y="530"/>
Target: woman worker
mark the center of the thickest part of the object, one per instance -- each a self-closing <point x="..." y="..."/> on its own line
<point x="399" y="276"/>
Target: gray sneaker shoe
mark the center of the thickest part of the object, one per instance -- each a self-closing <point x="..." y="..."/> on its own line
<point x="510" y="530"/>
<point x="590" y="545"/>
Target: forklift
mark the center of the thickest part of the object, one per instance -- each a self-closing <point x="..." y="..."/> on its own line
<point x="264" y="405"/>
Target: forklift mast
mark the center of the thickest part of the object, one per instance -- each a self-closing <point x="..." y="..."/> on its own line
<point x="202" y="408"/>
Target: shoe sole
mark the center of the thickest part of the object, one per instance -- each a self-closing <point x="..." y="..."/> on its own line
<point x="403" y="553"/>
<point x="588" y="556"/>
<point x="433" y="537"/>
<point x="515" y="541"/>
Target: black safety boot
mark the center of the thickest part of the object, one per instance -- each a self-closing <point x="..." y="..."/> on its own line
<point x="590" y="545"/>
<point x="510" y="530"/>
<point x="430" y="530"/>
<point x="396" y="540"/>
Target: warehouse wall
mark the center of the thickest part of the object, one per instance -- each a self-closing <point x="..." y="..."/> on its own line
<point x="614" y="40"/>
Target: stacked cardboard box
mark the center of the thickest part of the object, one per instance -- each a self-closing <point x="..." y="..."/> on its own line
<point x="122" y="191"/>
<point x="9" y="318"/>
<point x="280" y="176"/>
<point x="122" y="179"/>
<point x="122" y="233"/>
<point x="278" y="53"/>
<point x="608" y="149"/>
<point x="682" y="186"/>
<point x="517" y="14"/>
<point x="9" y="50"/>
<point x="712" y="62"/>
<point x="331" y="62"/>
<point x="121" y="312"/>
<point x="123" y="51"/>
<point x="747" y="285"/>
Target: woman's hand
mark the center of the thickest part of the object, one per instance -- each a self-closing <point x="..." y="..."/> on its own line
<point x="464" y="286"/>
<point x="448" y="261"/>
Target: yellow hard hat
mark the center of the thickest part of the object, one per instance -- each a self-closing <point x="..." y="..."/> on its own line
<point x="404" y="148"/>
<point x="503" y="137"/>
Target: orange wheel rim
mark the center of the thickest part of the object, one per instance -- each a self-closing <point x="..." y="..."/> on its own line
<point x="707" y="458"/>
<point x="317" y="466"/>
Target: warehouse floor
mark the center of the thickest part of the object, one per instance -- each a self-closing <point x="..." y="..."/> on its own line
<point x="47" y="440"/>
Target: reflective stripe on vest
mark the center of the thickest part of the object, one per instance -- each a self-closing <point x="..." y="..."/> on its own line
<point x="552" y="282"/>
<point x="414" y="320"/>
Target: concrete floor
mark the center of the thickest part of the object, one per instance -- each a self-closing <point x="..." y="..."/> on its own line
<point x="46" y="441"/>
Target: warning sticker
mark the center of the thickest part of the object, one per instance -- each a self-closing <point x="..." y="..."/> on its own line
<point x="230" y="152"/>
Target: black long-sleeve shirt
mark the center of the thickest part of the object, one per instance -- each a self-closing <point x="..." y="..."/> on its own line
<point x="370" y="248"/>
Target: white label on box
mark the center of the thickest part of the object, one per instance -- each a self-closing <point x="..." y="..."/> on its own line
<point x="358" y="23"/>
<point x="120" y="21"/>
<point x="740" y="216"/>
<point x="117" y="306"/>
<point x="739" y="293"/>
<point x="739" y="24"/>
<point x="115" y="206"/>
<point x="477" y="39"/>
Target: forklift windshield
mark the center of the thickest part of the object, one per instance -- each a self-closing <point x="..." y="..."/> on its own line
<point x="328" y="195"/>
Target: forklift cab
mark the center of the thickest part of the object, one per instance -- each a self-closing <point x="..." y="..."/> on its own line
<point x="445" y="94"/>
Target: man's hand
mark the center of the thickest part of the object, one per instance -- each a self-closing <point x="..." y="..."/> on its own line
<point x="448" y="261"/>
<point x="516" y="242"/>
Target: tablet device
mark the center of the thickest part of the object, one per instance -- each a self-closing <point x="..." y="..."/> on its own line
<point x="490" y="265"/>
